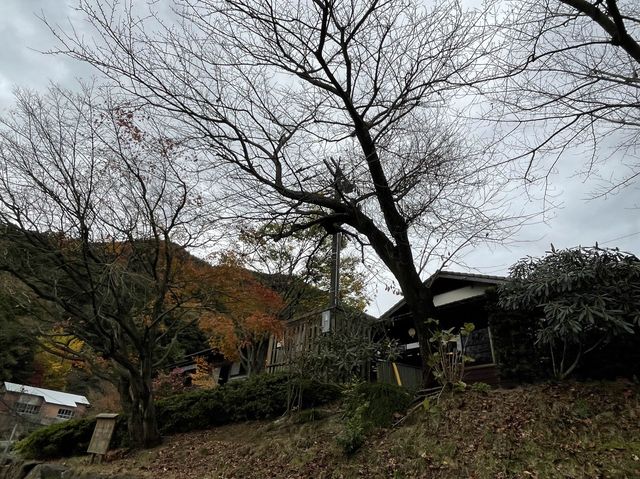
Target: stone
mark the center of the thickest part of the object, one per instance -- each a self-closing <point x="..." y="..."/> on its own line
<point x="23" y="468"/>
<point x="46" y="471"/>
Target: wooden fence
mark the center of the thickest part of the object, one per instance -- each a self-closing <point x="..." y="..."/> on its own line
<point x="300" y="336"/>
<point x="401" y="374"/>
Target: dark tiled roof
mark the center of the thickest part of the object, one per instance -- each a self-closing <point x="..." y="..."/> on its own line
<point x="456" y="275"/>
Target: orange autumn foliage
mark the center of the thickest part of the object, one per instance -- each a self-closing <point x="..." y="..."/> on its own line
<point x="234" y="308"/>
<point x="203" y="377"/>
<point x="248" y="314"/>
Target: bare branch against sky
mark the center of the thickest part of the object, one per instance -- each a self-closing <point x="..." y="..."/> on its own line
<point x="578" y="221"/>
<point x="569" y="82"/>
<point x="97" y="208"/>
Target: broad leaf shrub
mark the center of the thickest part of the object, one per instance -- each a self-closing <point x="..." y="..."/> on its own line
<point x="261" y="397"/>
<point x="573" y="312"/>
<point x="448" y="364"/>
<point x="368" y="406"/>
<point x="519" y="358"/>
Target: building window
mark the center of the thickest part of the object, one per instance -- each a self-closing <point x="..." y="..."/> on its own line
<point x="65" y="413"/>
<point x="24" y="408"/>
<point x="479" y="347"/>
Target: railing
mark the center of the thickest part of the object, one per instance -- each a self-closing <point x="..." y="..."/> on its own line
<point x="298" y="336"/>
<point x="301" y="333"/>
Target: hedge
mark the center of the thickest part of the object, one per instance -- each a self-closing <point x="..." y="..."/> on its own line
<point x="261" y="397"/>
<point x="65" y="439"/>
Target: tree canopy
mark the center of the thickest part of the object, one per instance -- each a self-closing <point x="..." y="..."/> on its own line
<point x="331" y="114"/>
<point x="248" y="315"/>
<point x="95" y="216"/>
<point x="299" y="265"/>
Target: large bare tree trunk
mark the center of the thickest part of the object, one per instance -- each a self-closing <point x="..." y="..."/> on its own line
<point x="419" y="300"/>
<point x="137" y="402"/>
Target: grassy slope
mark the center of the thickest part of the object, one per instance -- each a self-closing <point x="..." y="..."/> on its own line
<point x="566" y="431"/>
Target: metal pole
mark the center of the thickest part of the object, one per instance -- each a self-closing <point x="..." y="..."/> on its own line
<point x="334" y="292"/>
<point x="334" y="297"/>
<point x="342" y="185"/>
<point x="6" y="448"/>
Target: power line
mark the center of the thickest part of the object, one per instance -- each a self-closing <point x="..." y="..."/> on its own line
<point x="621" y="237"/>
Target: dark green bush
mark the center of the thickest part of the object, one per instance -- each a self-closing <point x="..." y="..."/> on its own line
<point x="521" y="360"/>
<point x="353" y="436"/>
<point x="58" y="440"/>
<point x="514" y="340"/>
<point x="368" y="406"/>
<point x="261" y="397"/>
<point x="315" y="393"/>
<point x="382" y="401"/>
<point x="65" y="439"/>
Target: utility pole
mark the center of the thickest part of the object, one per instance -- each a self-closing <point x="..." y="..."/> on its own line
<point x="341" y="185"/>
<point x="334" y="292"/>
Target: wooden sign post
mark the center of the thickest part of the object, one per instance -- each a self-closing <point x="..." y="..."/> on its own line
<point x="105" y="425"/>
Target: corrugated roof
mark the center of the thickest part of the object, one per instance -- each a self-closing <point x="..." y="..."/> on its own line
<point x="49" y="395"/>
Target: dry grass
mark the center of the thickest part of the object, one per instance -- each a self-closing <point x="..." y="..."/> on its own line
<point x="571" y="430"/>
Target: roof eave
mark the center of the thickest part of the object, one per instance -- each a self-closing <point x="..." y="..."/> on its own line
<point x="478" y="278"/>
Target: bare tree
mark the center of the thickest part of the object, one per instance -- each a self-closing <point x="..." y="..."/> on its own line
<point x="325" y="113"/>
<point x="96" y="212"/>
<point x="569" y="72"/>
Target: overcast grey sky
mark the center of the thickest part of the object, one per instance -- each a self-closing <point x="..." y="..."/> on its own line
<point x="612" y="221"/>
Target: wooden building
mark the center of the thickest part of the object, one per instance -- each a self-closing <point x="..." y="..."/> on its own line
<point x="300" y="335"/>
<point x="459" y="298"/>
<point x="30" y="407"/>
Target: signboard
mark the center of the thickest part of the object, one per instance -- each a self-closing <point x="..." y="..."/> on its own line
<point x="105" y="424"/>
<point x="326" y="321"/>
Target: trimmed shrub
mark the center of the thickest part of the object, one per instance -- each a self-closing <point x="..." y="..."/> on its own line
<point x="261" y="397"/>
<point x="315" y="393"/>
<point x="65" y="439"/>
